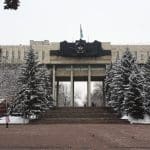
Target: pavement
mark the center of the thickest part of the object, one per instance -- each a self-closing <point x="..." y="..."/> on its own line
<point x="75" y="137"/>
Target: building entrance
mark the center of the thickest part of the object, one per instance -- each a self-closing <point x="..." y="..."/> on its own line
<point x="80" y="94"/>
<point x="73" y="73"/>
<point x="78" y="61"/>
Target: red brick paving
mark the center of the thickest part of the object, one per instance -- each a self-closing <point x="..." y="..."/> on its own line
<point x="75" y="137"/>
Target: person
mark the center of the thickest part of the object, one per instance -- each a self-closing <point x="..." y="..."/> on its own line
<point x="7" y="121"/>
<point x="93" y="105"/>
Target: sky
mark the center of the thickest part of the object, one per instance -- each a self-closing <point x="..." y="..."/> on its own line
<point x="115" y="21"/>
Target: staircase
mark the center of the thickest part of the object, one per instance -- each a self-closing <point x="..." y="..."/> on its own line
<point x="79" y="115"/>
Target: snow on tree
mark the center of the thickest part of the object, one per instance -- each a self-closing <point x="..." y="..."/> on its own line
<point x="127" y="67"/>
<point x="108" y="80"/>
<point x="127" y="63"/>
<point x="117" y="88"/>
<point x="46" y="85"/>
<point x="118" y="82"/>
<point x="30" y="98"/>
<point x="133" y="95"/>
<point x="146" y="86"/>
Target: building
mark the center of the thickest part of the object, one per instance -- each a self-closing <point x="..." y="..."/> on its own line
<point x="76" y="61"/>
<point x="15" y="53"/>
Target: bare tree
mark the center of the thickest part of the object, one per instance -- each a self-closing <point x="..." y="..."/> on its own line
<point x="64" y="96"/>
<point x="8" y="81"/>
<point x="97" y="95"/>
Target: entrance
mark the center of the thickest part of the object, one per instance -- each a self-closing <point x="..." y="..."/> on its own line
<point x="78" y="61"/>
<point x="72" y="74"/>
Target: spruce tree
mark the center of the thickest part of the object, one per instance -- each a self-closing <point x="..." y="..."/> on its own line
<point x="146" y="86"/>
<point x="117" y="88"/>
<point x="107" y="82"/>
<point x="46" y="85"/>
<point x="30" y="98"/>
<point x="127" y="63"/>
<point x="127" y="66"/>
<point x="133" y="95"/>
<point x="117" y="81"/>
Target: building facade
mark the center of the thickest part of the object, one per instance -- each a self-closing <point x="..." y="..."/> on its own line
<point x="15" y="53"/>
<point x="77" y="61"/>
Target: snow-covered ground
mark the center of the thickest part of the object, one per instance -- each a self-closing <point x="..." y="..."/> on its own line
<point x="14" y="120"/>
<point x="146" y="119"/>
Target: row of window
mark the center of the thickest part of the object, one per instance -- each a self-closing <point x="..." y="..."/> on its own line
<point x="135" y="55"/>
<point x="19" y="54"/>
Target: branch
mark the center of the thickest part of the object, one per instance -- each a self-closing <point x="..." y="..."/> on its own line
<point x="11" y="4"/>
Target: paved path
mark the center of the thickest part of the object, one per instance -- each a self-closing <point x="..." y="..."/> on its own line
<point x="75" y="137"/>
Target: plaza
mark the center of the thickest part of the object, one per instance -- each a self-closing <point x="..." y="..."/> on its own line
<point x="75" y="137"/>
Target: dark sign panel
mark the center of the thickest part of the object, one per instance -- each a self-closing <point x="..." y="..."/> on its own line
<point x="81" y="48"/>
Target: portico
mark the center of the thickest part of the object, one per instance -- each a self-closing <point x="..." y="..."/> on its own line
<point x="72" y="73"/>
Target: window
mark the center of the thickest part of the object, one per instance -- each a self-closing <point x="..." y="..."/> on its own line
<point x="0" y="55"/>
<point x="25" y="54"/>
<point x="19" y="54"/>
<point x="142" y="57"/>
<point x="135" y="54"/>
<point x="7" y="54"/>
<point x="13" y="56"/>
<point x="117" y="55"/>
<point x="37" y="55"/>
<point x="43" y="55"/>
<point x="148" y="54"/>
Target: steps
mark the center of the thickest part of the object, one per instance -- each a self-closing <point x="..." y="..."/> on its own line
<point x="79" y="115"/>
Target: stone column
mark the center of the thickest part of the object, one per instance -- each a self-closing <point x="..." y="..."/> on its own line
<point x="54" y="78"/>
<point x="89" y="87"/>
<point x="104" y="104"/>
<point x="72" y="87"/>
<point x="57" y="94"/>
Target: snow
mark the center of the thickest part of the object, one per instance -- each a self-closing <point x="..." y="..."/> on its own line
<point x="1" y="100"/>
<point x="146" y="119"/>
<point x="32" y="117"/>
<point x="14" y="120"/>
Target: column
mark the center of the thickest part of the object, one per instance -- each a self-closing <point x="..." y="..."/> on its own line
<point x="57" y="94"/>
<point x="89" y="87"/>
<point x="54" y="88"/>
<point x="104" y="104"/>
<point x="72" y="87"/>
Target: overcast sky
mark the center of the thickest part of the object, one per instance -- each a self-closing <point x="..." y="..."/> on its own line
<point x="115" y="21"/>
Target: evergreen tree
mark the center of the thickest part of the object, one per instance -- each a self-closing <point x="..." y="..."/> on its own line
<point x="11" y="4"/>
<point x="127" y="63"/>
<point x="30" y="98"/>
<point x="46" y="85"/>
<point x="133" y="95"/>
<point x="127" y="66"/>
<point x="117" y="82"/>
<point x="146" y="74"/>
<point x="108" y="80"/>
<point x="117" y="88"/>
